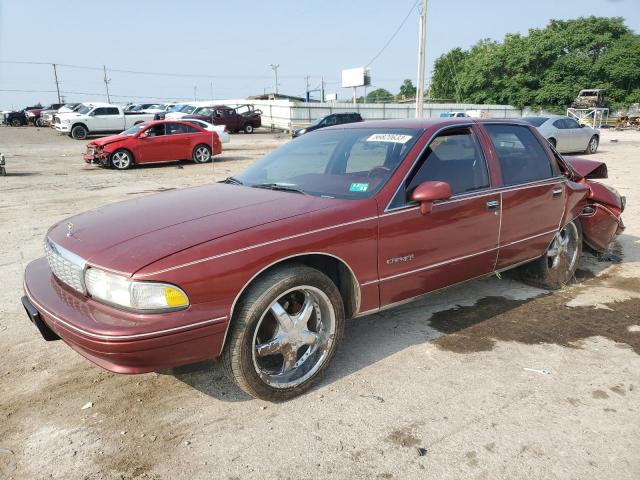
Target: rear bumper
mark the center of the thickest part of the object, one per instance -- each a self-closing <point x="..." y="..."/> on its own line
<point x="115" y="340"/>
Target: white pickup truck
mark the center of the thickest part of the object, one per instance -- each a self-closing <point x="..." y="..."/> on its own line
<point x="94" y="118"/>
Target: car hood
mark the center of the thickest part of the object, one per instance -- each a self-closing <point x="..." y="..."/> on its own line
<point x="127" y="236"/>
<point x="101" y="142"/>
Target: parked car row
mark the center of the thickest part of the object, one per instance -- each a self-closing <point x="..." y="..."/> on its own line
<point x="243" y="118"/>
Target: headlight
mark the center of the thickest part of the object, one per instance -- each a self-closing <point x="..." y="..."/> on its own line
<point x="66" y="121"/>
<point x="301" y="131"/>
<point x="131" y="294"/>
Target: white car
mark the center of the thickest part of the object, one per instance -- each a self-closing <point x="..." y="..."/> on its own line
<point x="158" y="108"/>
<point x="98" y="118"/>
<point x="221" y="130"/>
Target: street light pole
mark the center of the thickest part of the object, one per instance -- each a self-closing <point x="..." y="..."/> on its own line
<point x="422" y="39"/>
<point x="274" y="67"/>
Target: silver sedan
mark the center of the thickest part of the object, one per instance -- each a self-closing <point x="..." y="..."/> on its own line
<point x="566" y="134"/>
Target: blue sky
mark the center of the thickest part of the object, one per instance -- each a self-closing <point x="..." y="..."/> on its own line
<point x="236" y="41"/>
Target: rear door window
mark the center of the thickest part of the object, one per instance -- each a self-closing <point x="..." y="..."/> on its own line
<point x="522" y="158"/>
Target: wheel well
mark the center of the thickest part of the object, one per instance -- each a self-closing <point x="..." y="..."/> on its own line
<point x="333" y="267"/>
<point x="78" y="125"/>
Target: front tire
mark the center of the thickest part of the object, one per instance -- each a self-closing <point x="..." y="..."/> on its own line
<point x="40" y="122"/>
<point x="248" y="128"/>
<point x="592" y="147"/>
<point x="16" y="122"/>
<point x="558" y="265"/>
<point x="284" y="334"/>
<point x="121" y="159"/>
<point x="201" y="154"/>
<point x="79" y="132"/>
<point x="553" y="142"/>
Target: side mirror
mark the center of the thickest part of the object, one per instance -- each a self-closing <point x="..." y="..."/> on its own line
<point x="428" y="192"/>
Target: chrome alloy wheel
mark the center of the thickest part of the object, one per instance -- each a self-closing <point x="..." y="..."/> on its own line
<point x="202" y="154"/>
<point x="294" y="337"/>
<point x="593" y="145"/>
<point x="121" y="160"/>
<point x="563" y="250"/>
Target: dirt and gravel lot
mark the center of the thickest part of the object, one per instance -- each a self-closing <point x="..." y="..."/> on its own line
<point x="490" y="380"/>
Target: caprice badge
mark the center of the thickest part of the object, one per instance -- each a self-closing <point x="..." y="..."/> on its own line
<point x="69" y="229"/>
<point x="406" y="258"/>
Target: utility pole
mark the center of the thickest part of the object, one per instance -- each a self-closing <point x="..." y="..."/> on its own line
<point x="55" y="74"/>
<point x="211" y="87"/>
<point x="306" y="88"/>
<point x="422" y="40"/>
<point x="106" y="83"/>
<point x="195" y="93"/>
<point x="322" y="90"/>
<point x="274" y="67"/>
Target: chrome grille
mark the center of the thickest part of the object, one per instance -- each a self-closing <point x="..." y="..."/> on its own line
<point x="57" y="120"/>
<point x="65" y="265"/>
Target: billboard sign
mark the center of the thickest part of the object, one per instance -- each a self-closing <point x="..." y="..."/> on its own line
<point x="356" y="77"/>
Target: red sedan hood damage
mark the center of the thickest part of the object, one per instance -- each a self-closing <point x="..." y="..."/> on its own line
<point x="127" y="236"/>
<point x="101" y="142"/>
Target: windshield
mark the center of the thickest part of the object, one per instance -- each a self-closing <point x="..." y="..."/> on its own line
<point x="203" y="111"/>
<point x="85" y="109"/>
<point x="176" y="108"/>
<point x="535" y="121"/>
<point x="133" y="130"/>
<point x="187" y="109"/>
<point x="317" y="121"/>
<point x="352" y="163"/>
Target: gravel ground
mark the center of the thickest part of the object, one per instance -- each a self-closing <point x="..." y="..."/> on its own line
<point x="490" y="380"/>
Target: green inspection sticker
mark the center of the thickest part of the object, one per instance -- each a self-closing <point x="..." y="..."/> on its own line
<point x="358" y="187"/>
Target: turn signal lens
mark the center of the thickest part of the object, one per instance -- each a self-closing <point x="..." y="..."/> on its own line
<point x="175" y="297"/>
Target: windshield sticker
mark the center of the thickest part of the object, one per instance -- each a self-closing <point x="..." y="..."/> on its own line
<point x="389" y="137"/>
<point x="358" y="187"/>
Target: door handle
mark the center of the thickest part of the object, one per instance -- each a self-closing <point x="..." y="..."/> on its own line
<point x="557" y="192"/>
<point x="493" y="205"/>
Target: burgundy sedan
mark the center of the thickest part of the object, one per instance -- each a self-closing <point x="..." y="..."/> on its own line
<point x="154" y="142"/>
<point x="264" y="268"/>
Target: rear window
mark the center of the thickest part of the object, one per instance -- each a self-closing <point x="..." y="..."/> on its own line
<point x="535" y="121"/>
<point x="522" y="157"/>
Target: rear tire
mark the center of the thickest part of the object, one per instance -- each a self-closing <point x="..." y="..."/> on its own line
<point x="201" y="154"/>
<point x="592" y="147"/>
<point x="79" y="132"/>
<point x="284" y="333"/>
<point x="121" y="159"/>
<point x="557" y="266"/>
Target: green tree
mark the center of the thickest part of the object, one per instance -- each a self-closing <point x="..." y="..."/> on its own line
<point x="545" y="68"/>
<point x="407" y="90"/>
<point x="379" y="95"/>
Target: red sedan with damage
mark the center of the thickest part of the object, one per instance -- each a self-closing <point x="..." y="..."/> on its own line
<point x="154" y="142"/>
<point x="263" y="268"/>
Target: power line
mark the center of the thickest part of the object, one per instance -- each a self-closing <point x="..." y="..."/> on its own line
<point x="68" y="92"/>
<point x="140" y="72"/>
<point x="394" y="33"/>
